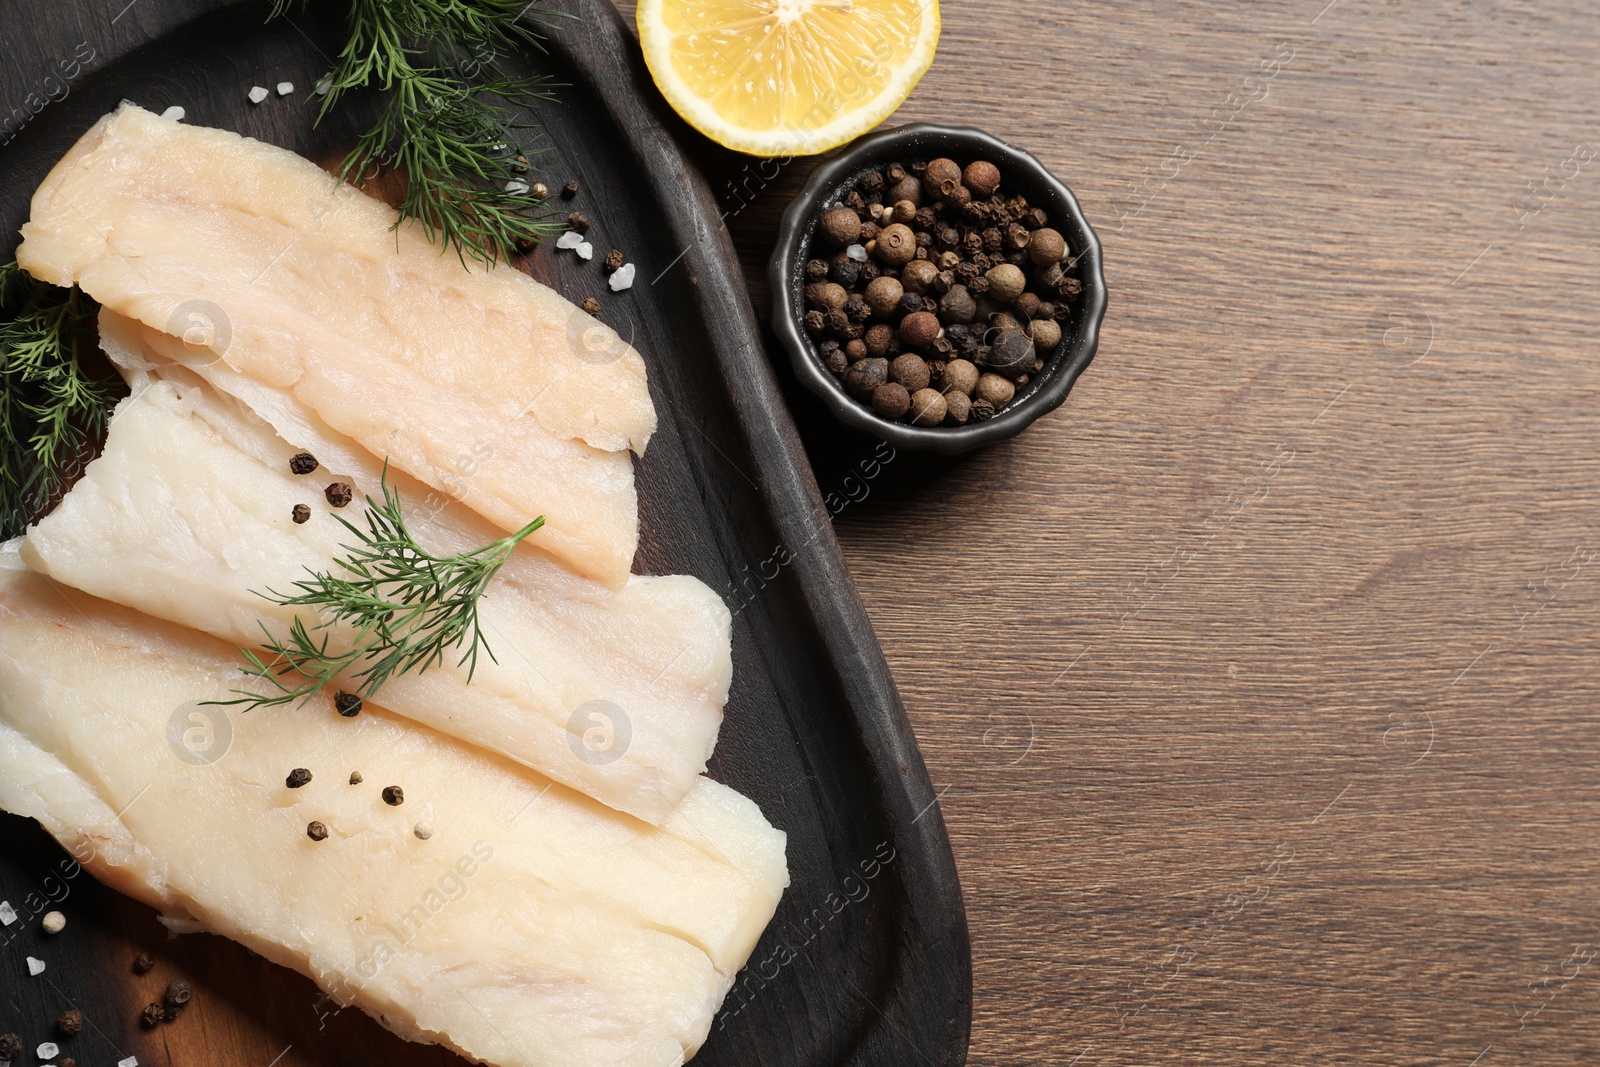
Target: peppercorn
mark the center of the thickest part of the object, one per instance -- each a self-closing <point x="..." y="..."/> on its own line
<point x="153" y="1015"/>
<point x="943" y="281"/>
<point x="837" y="320"/>
<point x="982" y="177"/>
<point x="1028" y="305"/>
<point x="10" y="1047"/>
<point x="614" y="260"/>
<point x="1017" y="237"/>
<point x="911" y="303"/>
<point x="814" y="322"/>
<point x="356" y="778"/>
<point x="870" y="231"/>
<point x="70" y="1022"/>
<point x="871" y="271"/>
<point x="979" y="286"/>
<point x="896" y="245"/>
<point x="896" y="172"/>
<point x="854" y="202"/>
<point x="393" y="796"/>
<point x="570" y="189"/>
<point x="857" y="308"/>
<point x="918" y="276"/>
<point x="591" y="305"/>
<point x="1036" y="219"/>
<point x="1006" y="282"/>
<point x="1017" y="207"/>
<point x="300" y="514"/>
<point x="957" y="306"/>
<point x="909" y="370"/>
<point x="302" y="463"/>
<point x="936" y="370"/>
<point x="1002" y="320"/>
<point x="961" y="376"/>
<point x="143" y="963"/>
<point x="949" y="260"/>
<point x="883" y="295"/>
<point x="851" y="330"/>
<point x="981" y="411"/>
<point x="907" y="188"/>
<point x="928" y="407"/>
<point x="958" y="406"/>
<point x="844" y="272"/>
<point x="865" y="375"/>
<point x="919" y="328"/>
<point x="981" y="262"/>
<point x="840" y="226"/>
<point x="1046" y="246"/>
<point x="347" y="704"/>
<point x="872" y="181"/>
<point x="178" y="993"/>
<point x="995" y="389"/>
<point x="578" y="222"/>
<point x="316" y="831"/>
<point x="826" y="296"/>
<point x="297" y="778"/>
<point x="816" y="270"/>
<point x="836" y="362"/>
<point x="925" y="220"/>
<point x="1069" y="288"/>
<point x="890" y="400"/>
<point x="339" y="494"/>
<point x="1046" y="334"/>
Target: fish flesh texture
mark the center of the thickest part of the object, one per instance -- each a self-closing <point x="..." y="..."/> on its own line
<point x="492" y="911"/>
<point x="187" y="515"/>
<point x="259" y="259"/>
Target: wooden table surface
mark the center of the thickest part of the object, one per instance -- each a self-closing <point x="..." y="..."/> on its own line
<point x="1259" y="679"/>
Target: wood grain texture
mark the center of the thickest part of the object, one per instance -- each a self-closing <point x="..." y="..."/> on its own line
<point x="1259" y="679"/>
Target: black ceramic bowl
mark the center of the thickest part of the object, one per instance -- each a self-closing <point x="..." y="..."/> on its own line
<point x="1023" y="174"/>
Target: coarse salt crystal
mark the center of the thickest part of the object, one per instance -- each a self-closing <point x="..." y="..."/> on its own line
<point x="323" y="86"/>
<point x="35" y="966"/>
<point x="174" y="112"/>
<point x="585" y="250"/>
<point x="622" y="278"/>
<point x="857" y="253"/>
<point x="131" y="1061"/>
<point x="47" y="1050"/>
<point x="285" y="88"/>
<point x="7" y="914"/>
<point x="516" y="187"/>
<point x="258" y="94"/>
<point x="570" y="239"/>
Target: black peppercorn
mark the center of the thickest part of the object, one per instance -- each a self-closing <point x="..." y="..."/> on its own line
<point x="570" y="189"/>
<point x="300" y="514"/>
<point x="896" y="173"/>
<point x="614" y="260"/>
<point x="355" y="778"/>
<point x="918" y="166"/>
<point x="872" y="182"/>
<point x="1036" y="219"/>
<point x="297" y="778"/>
<point x="591" y="305"/>
<point x="143" y="963"/>
<point x="947" y="237"/>
<point x="70" y="1022"/>
<point x="836" y="362"/>
<point x="152" y="1016"/>
<point x="943" y="281"/>
<point x="871" y="270"/>
<point x="857" y="309"/>
<point x="316" y="831"/>
<point x="925" y="219"/>
<point x="815" y="323"/>
<point x="816" y="270"/>
<point x="1069" y="288"/>
<point x="957" y="196"/>
<point x="394" y="796"/>
<point x="845" y="272"/>
<point x="910" y="303"/>
<point x="979" y="285"/>
<point x="178" y="994"/>
<point x="10" y="1047"/>
<point x="854" y="202"/>
<point x="1017" y="237"/>
<point x="339" y="494"/>
<point x="837" y="320"/>
<point x="347" y="704"/>
<point x="578" y="222"/>
<point x="302" y="463"/>
<point x="981" y="410"/>
<point x="993" y="240"/>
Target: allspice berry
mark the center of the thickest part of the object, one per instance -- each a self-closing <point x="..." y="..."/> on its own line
<point x="982" y="177"/>
<point x="826" y="296"/>
<point x="907" y="188"/>
<point x="903" y="211"/>
<point x="928" y="407"/>
<point x="918" y="276"/>
<point x="854" y="350"/>
<point x="909" y="370"/>
<point x="960" y="375"/>
<point x="896" y="245"/>
<point x="1006" y="282"/>
<point x="1046" y="246"/>
<point x="941" y="176"/>
<point x="69" y="1022"/>
<point x="840" y="226"/>
<point x="883" y="295"/>
<point x="919" y="328"/>
<point x="957" y="407"/>
<point x="996" y="390"/>
<point x="863" y="377"/>
<point x="178" y="994"/>
<point x="890" y="400"/>
<point x="877" y="339"/>
<point x="1046" y="334"/>
<point x="957" y="306"/>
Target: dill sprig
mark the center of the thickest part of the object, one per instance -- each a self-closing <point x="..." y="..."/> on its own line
<point x="406" y="606"/>
<point x="447" y="123"/>
<point x="52" y="409"/>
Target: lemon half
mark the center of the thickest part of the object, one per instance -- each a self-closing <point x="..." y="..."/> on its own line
<point x="787" y="77"/>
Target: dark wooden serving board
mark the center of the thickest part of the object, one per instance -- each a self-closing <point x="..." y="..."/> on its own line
<point x="815" y="731"/>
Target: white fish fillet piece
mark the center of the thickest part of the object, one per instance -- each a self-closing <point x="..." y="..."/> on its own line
<point x="186" y="515"/>
<point x="258" y="257"/>
<point x="534" y="927"/>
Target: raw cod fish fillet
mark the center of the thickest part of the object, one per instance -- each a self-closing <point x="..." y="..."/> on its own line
<point x="259" y="258"/>
<point x="187" y="516"/>
<point x="533" y="927"/>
